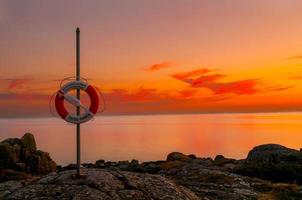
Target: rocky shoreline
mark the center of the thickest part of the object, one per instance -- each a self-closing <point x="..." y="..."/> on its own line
<point x="270" y="171"/>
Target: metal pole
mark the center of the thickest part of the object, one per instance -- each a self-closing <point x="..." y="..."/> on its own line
<point x="78" y="77"/>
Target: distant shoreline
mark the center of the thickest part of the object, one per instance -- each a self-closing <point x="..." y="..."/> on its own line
<point x="161" y="114"/>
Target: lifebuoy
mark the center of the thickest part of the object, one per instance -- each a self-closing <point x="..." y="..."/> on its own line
<point x="62" y="95"/>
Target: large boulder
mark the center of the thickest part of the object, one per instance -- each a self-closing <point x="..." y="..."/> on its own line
<point x="273" y="162"/>
<point x="12" y="141"/>
<point x="28" y="144"/>
<point x="41" y="163"/>
<point x="100" y="184"/>
<point x="22" y="155"/>
<point x="8" y="156"/>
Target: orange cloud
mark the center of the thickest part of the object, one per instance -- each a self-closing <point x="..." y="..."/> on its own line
<point x="140" y="95"/>
<point x="277" y="88"/>
<point x="187" y="93"/>
<point x="295" y="78"/>
<point x="295" y="57"/>
<point x="224" y="96"/>
<point x="191" y="74"/>
<point x="243" y="87"/>
<point x="158" y="66"/>
<point x="203" y="80"/>
<point x="213" y="83"/>
<point x="17" y="82"/>
<point x="11" y="96"/>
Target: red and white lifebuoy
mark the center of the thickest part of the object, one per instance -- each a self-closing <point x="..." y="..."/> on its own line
<point x="62" y="95"/>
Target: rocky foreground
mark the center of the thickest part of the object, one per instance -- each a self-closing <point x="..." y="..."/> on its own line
<point x="270" y="171"/>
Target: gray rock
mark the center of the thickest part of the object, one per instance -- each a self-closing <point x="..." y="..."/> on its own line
<point x="28" y="145"/>
<point x="9" y="187"/>
<point x="151" y="167"/>
<point x="8" y="156"/>
<point x="100" y="163"/>
<point x="12" y="141"/>
<point x="220" y="160"/>
<point x="8" y="174"/>
<point x="123" y="165"/>
<point x="88" y="165"/>
<point x="111" y="164"/>
<point x="273" y="162"/>
<point x="213" y="184"/>
<point x="102" y="184"/>
<point x="69" y="167"/>
<point x="41" y="163"/>
<point x="192" y="156"/>
<point x="134" y="166"/>
<point x="22" y="155"/>
<point x="178" y="156"/>
<point x="28" y="142"/>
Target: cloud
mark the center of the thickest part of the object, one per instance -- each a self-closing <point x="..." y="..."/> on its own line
<point x="134" y="101"/>
<point x="11" y="96"/>
<point x="277" y="88"/>
<point x="295" y="78"/>
<point x="139" y="95"/>
<point x="295" y="57"/>
<point x="203" y="79"/>
<point x="242" y="87"/>
<point x="191" y="74"/>
<point x="16" y="83"/>
<point x="216" y="98"/>
<point x="211" y="82"/>
<point x="187" y="93"/>
<point x="158" y="66"/>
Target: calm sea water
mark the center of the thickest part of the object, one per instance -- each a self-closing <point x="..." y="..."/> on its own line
<point x="152" y="137"/>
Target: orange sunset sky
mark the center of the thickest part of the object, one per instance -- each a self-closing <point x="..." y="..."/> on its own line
<point x="154" y="56"/>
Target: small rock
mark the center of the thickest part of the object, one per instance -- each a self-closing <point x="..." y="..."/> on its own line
<point x="134" y="166"/>
<point x="123" y="165"/>
<point x="192" y="156"/>
<point x="221" y="160"/>
<point x="178" y="156"/>
<point x="88" y="165"/>
<point x="151" y="167"/>
<point x="69" y="167"/>
<point x="100" y="163"/>
<point x="110" y="164"/>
